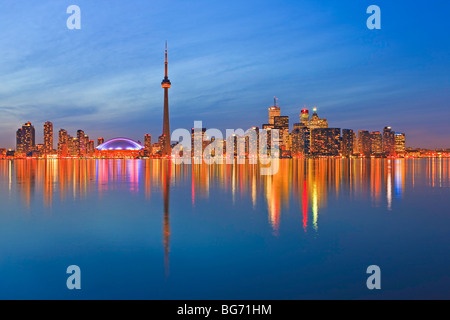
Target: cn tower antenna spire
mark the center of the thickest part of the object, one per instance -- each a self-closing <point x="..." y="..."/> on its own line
<point x="166" y="63"/>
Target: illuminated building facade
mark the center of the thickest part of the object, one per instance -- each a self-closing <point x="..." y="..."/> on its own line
<point x="81" y="143"/>
<point x="73" y="146"/>
<point x="268" y="128"/>
<point x="300" y="140"/>
<point x="376" y="143"/>
<point x="25" y="139"/>
<point x="364" y="143"/>
<point x="282" y="124"/>
<point x="274" y="111"/>
<point x="400" y="144"/>
<point x="197" y="142"/>
<point x="48" y="137"/>
<point x="304" y="118"/>
<point x="100" y="141"/>
<point x="388" y="141"/>
<point x="316" y="122"/>
<point x="325" y="141"/>
<point x="347" y="146"/>
<point x="63" y="149"/>
<point x="148" y="145"/>
<point x="90" y="147"/>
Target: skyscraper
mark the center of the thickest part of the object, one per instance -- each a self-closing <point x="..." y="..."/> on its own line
<point x="316" y="122"/>
<point x="274" y="111"/>
<point x="197" y="142"/>
<point x="300" y="140"/>
<point x="347" y="147"/>
<point x="90" y="147"/>
<point x="48" y="137"/>
<point x="388" y="141"/>
<point x="377" y="143"/>
<point x="400" y="144"/>
<point x="100" y="141"/>
<point x="81" y="143"/>
<point x="166" y="84"/>
<point x="282" y="124"/>
<point x="148" y="144"/>
<point x="63" y="145"/>
<point x="25" y="138"/>
<point x="304" y="118"/>
<point x="364" y="143"/>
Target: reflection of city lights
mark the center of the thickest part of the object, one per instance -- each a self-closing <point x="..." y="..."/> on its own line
<point x="305" y="184"/>
<point x="389" y="186"/>
<point x="315" y="207"/>
<point x="398" y="178"/>
<point x="305" y="205"/>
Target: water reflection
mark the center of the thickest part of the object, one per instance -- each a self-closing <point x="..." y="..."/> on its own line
<point x="308" y="184"/>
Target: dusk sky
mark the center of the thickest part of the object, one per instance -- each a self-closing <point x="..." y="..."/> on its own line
<point x="227" y="59"/>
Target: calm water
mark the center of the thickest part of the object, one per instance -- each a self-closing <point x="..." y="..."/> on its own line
<point x="154" y="230"/>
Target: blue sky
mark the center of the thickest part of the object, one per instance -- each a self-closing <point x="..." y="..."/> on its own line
<point x="227" y="59"/>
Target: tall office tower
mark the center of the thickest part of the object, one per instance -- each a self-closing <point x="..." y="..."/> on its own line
<point x="72" y="146"/>
<point x="268" y="128"/>
<point x="364" y="143"/>
<point x="316" y="122"/>
<point x="282" y="124"/>
<point x="197" y="142"/>
<point x="400" y="144"/>
<point x="86" y="142"/>
<point x="347" y="143"/>
<point x="325" y="141"/>
<point x="254" y="145"/>
<point x="100" y="141"/>
<point x="165" y="140"/>
<point x="90" y="147"/>
<point x="300" y="140"/>
<point x="304" y="118"/>
<point x="19" y="141"/>
<point x="81" y="142"/>
<point x="63" y="148"/>
<point x="377" y="143"/>
<point x="295" y="134"/>
<point x="388" y="141"/>
<point x="76" y="147"/>
<point x="25" y="138"/>
<point x="48" y="137"/>
<point x="355" y="144"/>
<point x="148" y="144"/>
<point x="274" y="111"/>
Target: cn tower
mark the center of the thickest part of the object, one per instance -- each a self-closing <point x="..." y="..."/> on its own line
<point x="166" y="84"/>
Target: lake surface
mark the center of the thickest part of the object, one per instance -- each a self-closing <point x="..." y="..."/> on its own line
<point x="150" y="229"/>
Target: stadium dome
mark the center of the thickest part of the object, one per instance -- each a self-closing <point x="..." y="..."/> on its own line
<point x="120" y="144"/>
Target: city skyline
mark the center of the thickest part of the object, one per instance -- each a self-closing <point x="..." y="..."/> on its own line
<point x="306" y="54"/>
<point x="310" y="137"/>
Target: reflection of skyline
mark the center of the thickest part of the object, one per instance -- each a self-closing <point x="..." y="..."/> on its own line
<point x="301" y="187"/>
<point x="309" y="182"/>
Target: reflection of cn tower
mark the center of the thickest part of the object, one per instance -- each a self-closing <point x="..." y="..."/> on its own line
<point x="166" y="173"/>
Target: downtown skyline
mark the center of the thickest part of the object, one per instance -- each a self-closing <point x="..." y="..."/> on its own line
<point x="306" y="54"/>
<point x="311" y="137"/>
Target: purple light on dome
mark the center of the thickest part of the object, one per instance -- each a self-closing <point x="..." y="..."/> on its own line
<point x="120" y="144"/>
